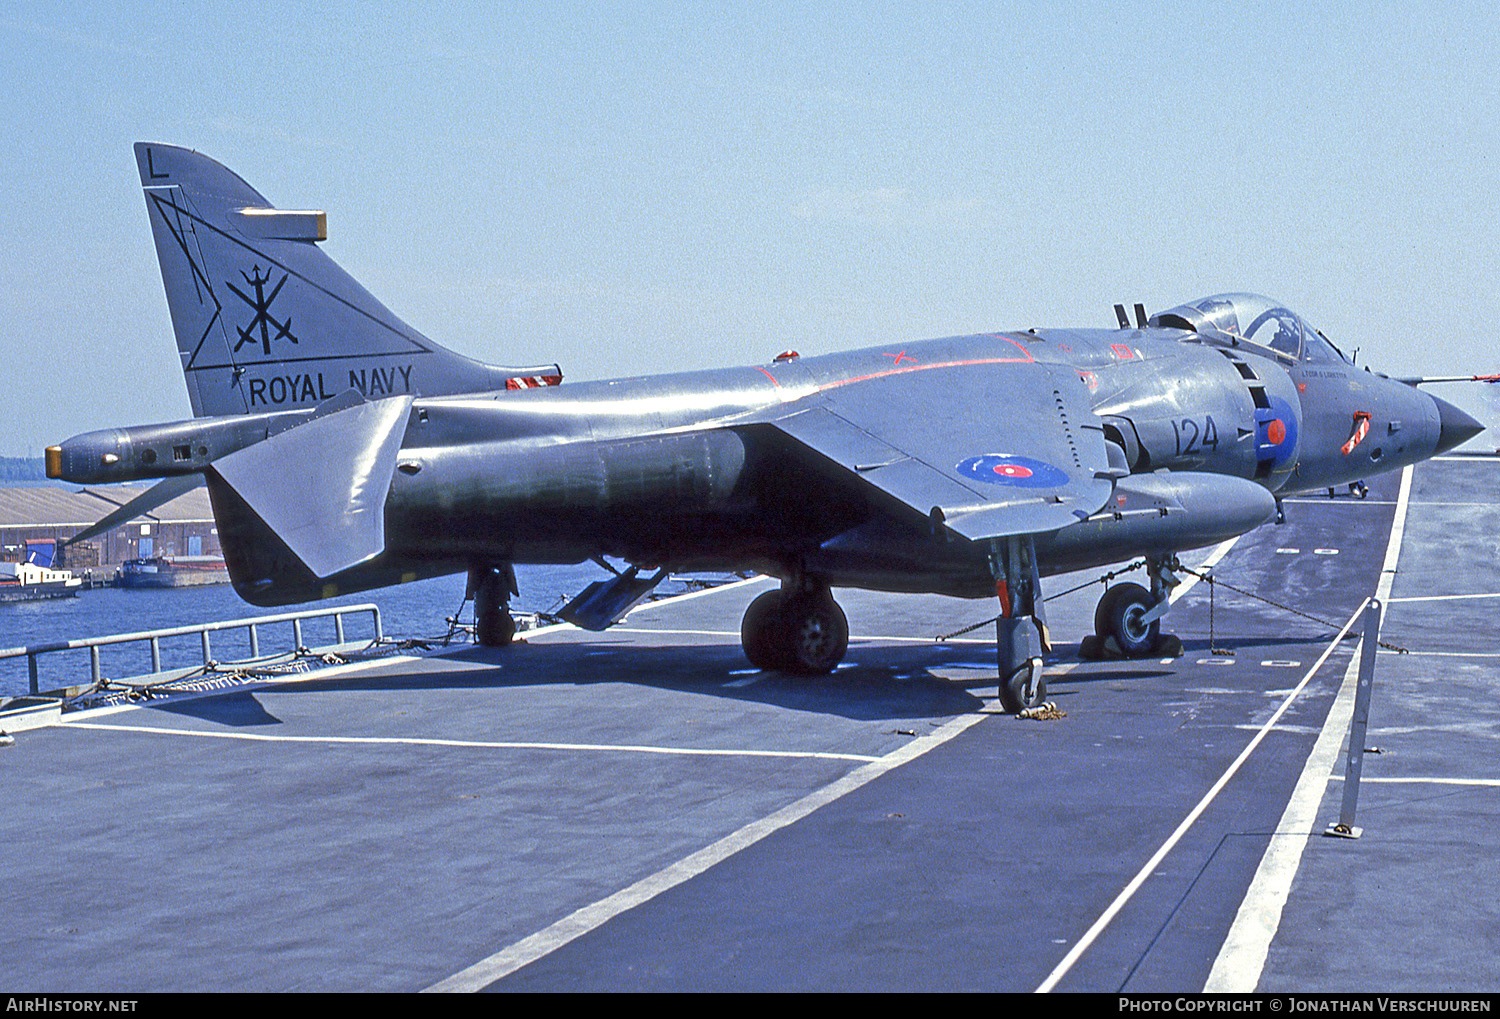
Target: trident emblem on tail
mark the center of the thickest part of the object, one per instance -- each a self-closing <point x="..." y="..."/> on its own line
<point x="261" y="302"/>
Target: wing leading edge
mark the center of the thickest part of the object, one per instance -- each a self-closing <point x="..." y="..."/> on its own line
<point x="989" y="451"/>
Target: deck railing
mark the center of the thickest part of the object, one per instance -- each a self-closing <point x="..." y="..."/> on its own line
<point x="154" y="638"/>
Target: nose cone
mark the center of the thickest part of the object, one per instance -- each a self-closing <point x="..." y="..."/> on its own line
<point x="1454" y="426"/>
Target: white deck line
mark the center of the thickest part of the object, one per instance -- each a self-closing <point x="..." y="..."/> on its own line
<point x="418" y="741"/>
<point x="1490" y="783"/>
<point x="1128" y="892"/>
<point x="1084" y="943"/>
<point x="585" y="919"/>
<point x="1242" y="957"/>
<point x="883" y="638"/>
<point x="1441" y="597"/>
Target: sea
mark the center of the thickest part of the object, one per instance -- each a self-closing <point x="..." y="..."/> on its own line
<point x="416" y="610"/>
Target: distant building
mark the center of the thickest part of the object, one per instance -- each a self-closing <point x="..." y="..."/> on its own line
<point x="184" y="526"/>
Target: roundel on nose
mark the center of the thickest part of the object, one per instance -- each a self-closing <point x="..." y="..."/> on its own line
<point x="1275" y="433"/>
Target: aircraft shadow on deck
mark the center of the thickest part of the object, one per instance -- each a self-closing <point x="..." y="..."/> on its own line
<point x="938" y="680"/>
<point x="236" y="709"/>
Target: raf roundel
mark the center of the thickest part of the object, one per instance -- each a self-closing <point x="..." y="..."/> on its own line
<point x="1005" y="469"/>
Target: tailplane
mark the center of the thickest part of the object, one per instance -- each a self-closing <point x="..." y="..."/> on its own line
<point x="265" y="320"/>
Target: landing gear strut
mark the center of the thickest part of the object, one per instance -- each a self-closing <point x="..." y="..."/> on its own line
<point x="795" y="630"/>
<point x="491" y="588"/>
<point x="1021" y="630"/>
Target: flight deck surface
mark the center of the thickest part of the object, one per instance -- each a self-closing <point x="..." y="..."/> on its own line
<point x="640" y="809"/>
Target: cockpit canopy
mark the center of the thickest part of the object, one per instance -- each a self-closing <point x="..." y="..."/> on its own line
<point x="1254" y="318"/>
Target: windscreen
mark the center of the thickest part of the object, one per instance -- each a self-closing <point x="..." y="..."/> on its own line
<point x="1254" y="318"/>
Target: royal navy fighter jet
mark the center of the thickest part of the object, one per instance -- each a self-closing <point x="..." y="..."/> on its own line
<point x="343" y="450"/>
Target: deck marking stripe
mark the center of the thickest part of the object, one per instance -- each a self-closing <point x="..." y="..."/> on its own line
<point x="1083" y="943"/>
<point x="1387" y="502"/>
<point x="1146" y="871"/>
<point x="1426" y="780"/>
<point x="1220" y="551"/>
<point x="1443" y="597"/>
<point x="885" y="638"/>
<point x="1242" y="957"/>
<point x="260" y="737"/>
<point x="678" y="599"/>
<point x="585" y="919"/>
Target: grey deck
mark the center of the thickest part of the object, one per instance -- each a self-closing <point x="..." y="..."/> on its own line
<point x="437" y="821"/>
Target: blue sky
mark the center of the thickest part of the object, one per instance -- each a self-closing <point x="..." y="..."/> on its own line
<point x="632" y="188"/>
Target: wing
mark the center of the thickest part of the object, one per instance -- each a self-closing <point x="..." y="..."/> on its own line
<point x="989" y="450"/>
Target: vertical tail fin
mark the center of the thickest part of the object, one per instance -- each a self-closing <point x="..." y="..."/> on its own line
<point x="264" y="319"/>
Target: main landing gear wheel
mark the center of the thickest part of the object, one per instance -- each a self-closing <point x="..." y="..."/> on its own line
<point x="760" y="632"/>
<point x="495" y="628"/>
<point x="493" y="625"/>
<point x="805" y="633"/>
<point x="817" y="633"/>
<point x="1121" y="614"/>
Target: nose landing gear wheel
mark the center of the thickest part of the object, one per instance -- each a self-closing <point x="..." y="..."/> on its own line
<point x="1121" y="615"/>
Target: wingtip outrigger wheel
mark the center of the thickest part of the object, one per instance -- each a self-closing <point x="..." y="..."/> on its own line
<point x="1020" y="629"/>
<point x="1024" y="688"/>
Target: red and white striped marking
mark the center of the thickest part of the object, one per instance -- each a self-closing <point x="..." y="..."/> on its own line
<point x="1361" y="429"/>
<point x="532" y="381"/>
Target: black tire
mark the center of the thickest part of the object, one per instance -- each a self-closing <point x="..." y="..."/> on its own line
<point x="493" y="625"/>
<point x="761" y="632"/>
<point x="494" y="628"/>
<point x="815" y="634"/>
<point x="1119" y="615"/>
<point x="1024" y="688"/>
<point x="1105" y="608"/>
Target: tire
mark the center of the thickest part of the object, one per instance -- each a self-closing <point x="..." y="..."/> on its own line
<point x="815" y="634"/>
<point x="494" y="628"/>
<point x="1119" y="615"/>
<point x="1015" y="697"/>
<point x="761" y="632"/>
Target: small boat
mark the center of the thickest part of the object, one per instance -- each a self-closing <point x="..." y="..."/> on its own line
<point x="173" y="571"/>
<point x="31" y="581"/>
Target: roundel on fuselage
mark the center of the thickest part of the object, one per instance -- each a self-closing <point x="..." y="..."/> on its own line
<point x="1276" y="433"/>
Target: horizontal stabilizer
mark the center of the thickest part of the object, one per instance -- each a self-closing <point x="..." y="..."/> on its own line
<point x="158" y="494"/>
<point x="605" y="602"/>
<point x="321" y="486"/>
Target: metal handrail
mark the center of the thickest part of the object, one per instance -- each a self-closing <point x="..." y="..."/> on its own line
<point x="31" y="652"/>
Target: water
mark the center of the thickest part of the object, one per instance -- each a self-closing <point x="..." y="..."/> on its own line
<point x="408" y="610"/>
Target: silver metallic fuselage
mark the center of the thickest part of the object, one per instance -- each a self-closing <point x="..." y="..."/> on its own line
<point x="684" y="471"/>
<point x="673" y="470"/>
